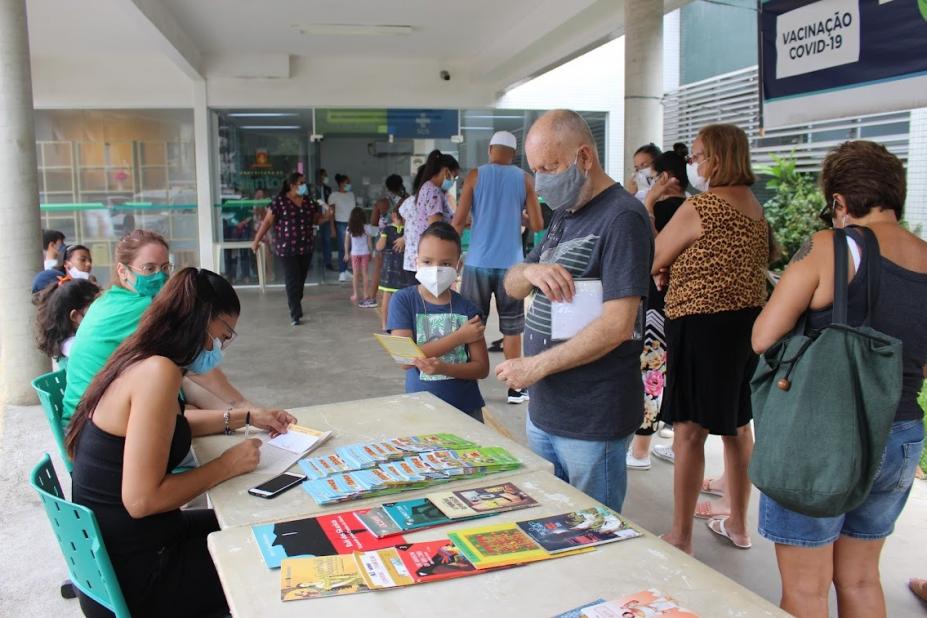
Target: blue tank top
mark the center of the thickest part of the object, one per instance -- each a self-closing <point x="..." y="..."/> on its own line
<point x="498" y="200"/>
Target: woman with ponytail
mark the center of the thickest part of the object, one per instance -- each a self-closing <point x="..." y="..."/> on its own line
<point x="130" y="430"/>
<point x="434" y="180"/>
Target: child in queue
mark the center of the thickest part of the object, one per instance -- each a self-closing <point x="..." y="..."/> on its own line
<point x="393" y="277"/>
<point x="357" y="251"/>
<point x="59" y="311"/>
<point x="445" y="325"/>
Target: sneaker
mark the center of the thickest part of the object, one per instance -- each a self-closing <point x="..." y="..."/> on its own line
<point x="294" y="322"/>
<point x="367" y="304"/>
<point x="667" y="431"/>
<point x="344" y="277"/>
<point x="664" y="452"/>
<point x="518" y="396"/>
<point x="634" y="463"/>
<point x="496" y="346"/>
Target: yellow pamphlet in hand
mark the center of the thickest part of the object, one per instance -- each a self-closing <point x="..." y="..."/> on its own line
<point x="402" y="349"/>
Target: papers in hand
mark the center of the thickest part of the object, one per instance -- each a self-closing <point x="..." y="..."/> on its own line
<point x="402" y="349"/>
<point x="567" y="319"/>
<point x="278" y="454"/>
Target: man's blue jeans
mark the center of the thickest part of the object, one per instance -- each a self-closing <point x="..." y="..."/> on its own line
<point x="596" y="468"/>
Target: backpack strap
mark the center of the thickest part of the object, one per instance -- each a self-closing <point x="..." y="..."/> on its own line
<point x="841" y="273"/>
<point x="873" y="271"/>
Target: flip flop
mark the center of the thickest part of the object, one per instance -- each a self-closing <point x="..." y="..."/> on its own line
<point x="717" y="526"/>
<point x="705" y="510"/>
<point x="707" y="489"/>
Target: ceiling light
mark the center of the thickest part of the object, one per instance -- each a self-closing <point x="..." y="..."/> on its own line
<point x="352" y="30"/>
<point x="262" y="115"/>
<point x="271" y="127"/>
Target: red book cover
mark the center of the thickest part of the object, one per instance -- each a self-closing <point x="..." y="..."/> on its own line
<point x="434" y="560"/>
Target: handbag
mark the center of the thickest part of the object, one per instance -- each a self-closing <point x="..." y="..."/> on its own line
<point x="824" y="403"/>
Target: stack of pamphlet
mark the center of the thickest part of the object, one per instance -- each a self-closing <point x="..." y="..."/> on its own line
<point x="401" y="464"/>
<point x="644" y="603"/>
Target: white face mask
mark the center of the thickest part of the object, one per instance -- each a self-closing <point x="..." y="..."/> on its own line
<point x="78" y="274"/>
<point x="695" y="179"/>
<point x="436" y="279"/>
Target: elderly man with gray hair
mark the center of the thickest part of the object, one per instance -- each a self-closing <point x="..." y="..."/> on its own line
<point x="586" y="392"/>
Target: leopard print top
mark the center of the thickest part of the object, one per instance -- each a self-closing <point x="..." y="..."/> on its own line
<point x="725" y="268"/>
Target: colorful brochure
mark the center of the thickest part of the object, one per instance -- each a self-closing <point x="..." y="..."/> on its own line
<point x="644" y="603"/>
<point x="481" y="501"/>
<point x="434" y="561"/>
<point x="324" y="576"/>
<point x="585" y="528"/>
<point x="497" y="545"/>
<point x="576" y="612"/>
<point x="324" y="535"/>
<point x="383" y="569"/>
<point x="379" y="523"/>
<point x="415" y="514"/>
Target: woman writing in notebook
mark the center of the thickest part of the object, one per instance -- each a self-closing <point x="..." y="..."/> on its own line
<point x="129" y="431"/>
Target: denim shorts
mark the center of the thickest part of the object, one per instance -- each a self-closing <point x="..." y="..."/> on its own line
<point x="874" y="519"/>
<point x="479" y="285"/>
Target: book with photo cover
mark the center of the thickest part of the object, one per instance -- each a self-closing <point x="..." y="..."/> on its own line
<point x="383" y="568"/>
<point x="434" y="561"/>
<point x="585" y="528"/>
<point x="379" y="523"/>
<point x="322" y="576"/>
<point x="415" y="514"/>
<point x="646" y="603"/>
<point x="323" y="535"/>
<point x="481" y="500"/>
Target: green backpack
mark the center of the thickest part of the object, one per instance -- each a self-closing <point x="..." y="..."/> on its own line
<point x="824" y="402"/>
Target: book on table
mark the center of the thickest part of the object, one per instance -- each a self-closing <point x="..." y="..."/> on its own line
<point x="585" y="528"/>
<point x="322" y="576"/>
<point x="278" y="454"/>
<point x="323" y="535"/>
<point x="467" y="503"/>
<point x="502" y="545"/>
<point x="645" y="603"/>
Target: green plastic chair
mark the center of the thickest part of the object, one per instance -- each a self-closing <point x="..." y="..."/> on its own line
<point x="79" y="538"/>
<point x="50" y="389"/>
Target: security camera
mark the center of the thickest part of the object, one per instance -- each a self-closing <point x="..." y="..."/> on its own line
<point x="445" y="76"/>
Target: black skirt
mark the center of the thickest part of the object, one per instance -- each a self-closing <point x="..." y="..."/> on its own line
<point x="709" y="364"/>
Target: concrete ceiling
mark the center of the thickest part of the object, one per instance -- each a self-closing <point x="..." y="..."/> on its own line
<point x="496" y="43"/>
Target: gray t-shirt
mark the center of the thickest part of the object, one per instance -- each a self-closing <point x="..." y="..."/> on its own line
<point x="610" y="239"/>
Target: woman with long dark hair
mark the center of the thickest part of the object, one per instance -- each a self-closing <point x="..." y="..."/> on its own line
<point x="60" y="308"/>
<point x="434" y="180"/>
<point x="292" y="215"/>
<point x="130" y="431"/>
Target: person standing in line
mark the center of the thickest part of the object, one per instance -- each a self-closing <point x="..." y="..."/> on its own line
<point x="639" y="182"/>
<point x="864" y="187"/>
<point x="435" y="178"/>
<point x="52" y="243"/>
<point x="587" y="397"/>
<point x="716" y="248"/>
<point x="327" y="228"/>
<point x="343" y="202"/>
<point x="292" y="215"/>
<point x="662" y="201"/>
<point x="357" y="250"/>
<point x="495" y="195"/>
<point x="393" y="277"/>
<point x="407" y="211"/>
<point x="381" y="218"/>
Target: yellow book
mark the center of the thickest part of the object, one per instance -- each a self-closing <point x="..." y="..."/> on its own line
<point x="321" y="576"/>
<point x="402" y="349"/>
<point x="501" y="545"/>
<point x="383" y="568"/>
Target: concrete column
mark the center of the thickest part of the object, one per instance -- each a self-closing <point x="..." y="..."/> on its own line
<point x="20" y="226"/>
<point x="206" y="215"/>
<point x="643" y="77"/>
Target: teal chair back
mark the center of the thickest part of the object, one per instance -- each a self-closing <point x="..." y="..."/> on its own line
<point x="80" y="541"/>
<point x="50" y="389"/>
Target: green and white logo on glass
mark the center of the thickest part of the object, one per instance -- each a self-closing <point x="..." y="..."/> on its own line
<point x="922" y="5"/>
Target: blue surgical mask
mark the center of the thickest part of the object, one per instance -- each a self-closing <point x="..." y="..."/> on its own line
<point x="347" y="187"/>
<point x="447" y="184"/>
<point x="303" y="189"/>
<point x="207" y="360"/>
<point x="560" y="190"/>
<point x="149" y="285"/>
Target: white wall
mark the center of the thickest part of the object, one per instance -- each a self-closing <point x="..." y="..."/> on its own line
<point x="916" y="204"/>
<point x="98" y="81"/>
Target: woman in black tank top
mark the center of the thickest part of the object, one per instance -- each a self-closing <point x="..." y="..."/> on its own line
<point x="129" y="432"/>
<point x="864" y="186"/>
